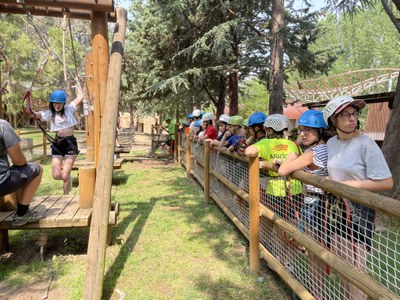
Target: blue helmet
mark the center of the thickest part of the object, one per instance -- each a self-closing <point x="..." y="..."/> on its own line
<point x="257" y="118"/>
<point x="197" y="123"/>
<point x="58" y="96"/>
<point x="190" y="116"/>
<point x="312" y="118"/>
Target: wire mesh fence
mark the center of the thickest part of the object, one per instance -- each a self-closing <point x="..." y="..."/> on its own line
<point x="360" y="238"/>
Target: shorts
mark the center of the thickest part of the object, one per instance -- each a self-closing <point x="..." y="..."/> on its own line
<point x="19" y="177"/>
<point x="64" y="146"/>
<point x="351" y="221"/>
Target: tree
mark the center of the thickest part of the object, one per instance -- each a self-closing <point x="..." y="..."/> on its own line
<point x="206" y="48"/>
<point x="25" y="51"/>
<point x="276" y="59"/>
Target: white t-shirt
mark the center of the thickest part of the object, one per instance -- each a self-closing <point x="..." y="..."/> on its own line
<point x="60" y="122"/>
<point x="358" y="158"/>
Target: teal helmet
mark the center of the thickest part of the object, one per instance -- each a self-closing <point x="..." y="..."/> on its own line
<point x="58" y="96"/>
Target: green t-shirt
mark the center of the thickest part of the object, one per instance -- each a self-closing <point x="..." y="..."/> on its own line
<point x="270" y="149"/>
<point x="171" y="130"/>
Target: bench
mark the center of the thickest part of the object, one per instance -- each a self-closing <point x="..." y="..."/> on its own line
<point x="61" y="212"/>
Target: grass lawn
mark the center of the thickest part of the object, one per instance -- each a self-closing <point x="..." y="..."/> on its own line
<point x="167" y="245"/>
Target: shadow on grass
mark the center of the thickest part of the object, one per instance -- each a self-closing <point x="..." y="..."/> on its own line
<point x="119" y="177"/>
<point x="139" y="214"/>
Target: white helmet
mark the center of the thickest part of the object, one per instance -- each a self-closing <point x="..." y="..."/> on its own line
<point x="277" y="122"/>
<point x="223" y="118"/>
<point x="207" y="117"/>
<point x="337" y="104"/>
<point x="196" y="113"/>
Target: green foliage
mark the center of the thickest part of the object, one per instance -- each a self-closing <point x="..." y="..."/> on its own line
<point x="183" y="52"/>
<point x="253" y="97"/>
<point x="364" y="40"/>
<point x="25" y="51"/>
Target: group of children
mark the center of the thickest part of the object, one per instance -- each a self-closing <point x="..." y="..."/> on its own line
<point x="334" y="148"/>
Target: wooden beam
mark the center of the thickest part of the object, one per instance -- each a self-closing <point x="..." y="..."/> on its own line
<point x="100" y="72"/>
<point x="51" y="12"/>
<point x="91" y="5"/>
<point x="93" y="287"/>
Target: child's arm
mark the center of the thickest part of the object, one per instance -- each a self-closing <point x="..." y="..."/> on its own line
<point x="79" y="96"/>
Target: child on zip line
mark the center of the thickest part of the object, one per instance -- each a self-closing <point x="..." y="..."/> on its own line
<point x="64" y="148"/>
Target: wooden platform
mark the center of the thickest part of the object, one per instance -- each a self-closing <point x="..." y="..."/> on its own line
<point x="61" y="211"/>
<point x="84" y="163"/>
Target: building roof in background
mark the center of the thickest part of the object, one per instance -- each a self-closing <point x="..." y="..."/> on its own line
<point x="293" y="111"/>
<point x="377" y="119"/>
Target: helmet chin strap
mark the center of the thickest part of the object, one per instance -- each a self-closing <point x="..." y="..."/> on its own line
<point x="347" y="132"/>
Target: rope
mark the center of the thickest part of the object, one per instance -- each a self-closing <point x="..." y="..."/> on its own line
<point x="72" y="45"/>
<point x="64" y="28"/>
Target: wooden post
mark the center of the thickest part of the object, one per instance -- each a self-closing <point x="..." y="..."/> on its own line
<point x="188" y="168"/>
<point x="179" y="147"/>
<point x="254" y="213"/>
<point x="207" y="148"/>
<point x="100" y="72"/>
<point x="152" y="140"/>
<point x="9" y="202"/>
<point x="44" y="147"/>
<point x="87" y="179"/>
<point x="4" y="242"/>
<point x="176" y="132"/>
<point x="93" y="286"/>
<point x="89" y="119"/>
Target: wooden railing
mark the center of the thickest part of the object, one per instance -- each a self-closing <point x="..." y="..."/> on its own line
<point x="303" y="260"/>
<point x="42" y="145"/>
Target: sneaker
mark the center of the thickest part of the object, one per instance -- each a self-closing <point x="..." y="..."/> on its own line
<point x="29" y="217"/>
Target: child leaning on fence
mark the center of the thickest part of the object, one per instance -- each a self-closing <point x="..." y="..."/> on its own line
<point x="356" y="160"/>
<point x="313" y="133"/>
<point x="282" y="195"/>
<point x="222" y="128"/>
<point x="232" y="135"/>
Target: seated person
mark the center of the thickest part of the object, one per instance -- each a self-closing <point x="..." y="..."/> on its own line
<point x="21" y="175"/>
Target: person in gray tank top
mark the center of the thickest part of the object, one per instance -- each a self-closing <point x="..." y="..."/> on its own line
<point x="20" y="175"/>
<point x="355" y="160"/>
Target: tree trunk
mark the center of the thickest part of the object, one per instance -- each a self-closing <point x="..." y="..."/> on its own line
<point x="234" y="77"/>
<point x="391" y="145"/>
<point x="233" y="93"/>
<point x="221" y="96"/>
<point x="275" y="87"/>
